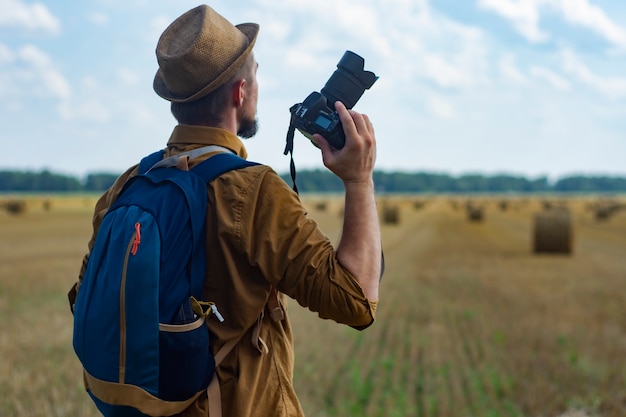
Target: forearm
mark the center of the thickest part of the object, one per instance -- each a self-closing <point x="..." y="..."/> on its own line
<point x="360" y="246"/>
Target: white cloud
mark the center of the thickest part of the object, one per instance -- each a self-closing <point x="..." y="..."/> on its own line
<point x="93" y="98"/>
<point x="416" y="43"/>
<point x="32" y="17"/>
<point x="6" y="55"/>
<point x="42" y="70"/>
<point x="34" y="56"/>
<point x="454" y="55"/>
<point x="99" y="18"/>
<point x="612" y="87"/>
<point x="444" y="73"/>
<point x="551" y="77"/>
<point x="523" y="13"/>
<point x="402" y="37"/>
<point x="92" y="110"/>
<point x="526" y="15"/>
<point x="128" y="77"/>
<point x="593" y="17"/>
<point x="297" y="58"/>
<point x="362" y="19"/>
<point x="438" y="75"/>
<point x="278" y="30"/>
<point x="31" y="73"/>
<point x="509" y="69"/>
<point x="88" y="105"/>
<point x="158" y="25"/>
<point x="89" y="84"/>
<point x="441" y="107"/>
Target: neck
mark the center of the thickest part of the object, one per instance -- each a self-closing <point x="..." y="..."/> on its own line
<point x="229" y="123"/>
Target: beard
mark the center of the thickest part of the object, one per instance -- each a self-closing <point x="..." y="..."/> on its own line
<point x="248" y="128"/>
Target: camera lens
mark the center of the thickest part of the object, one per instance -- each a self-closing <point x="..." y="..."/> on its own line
<point x="349" y="81"/>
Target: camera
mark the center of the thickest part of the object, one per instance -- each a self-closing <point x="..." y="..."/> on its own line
<point x="316" y="114"/>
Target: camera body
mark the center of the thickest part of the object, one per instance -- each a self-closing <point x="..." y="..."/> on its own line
<point x="316" y="114"/>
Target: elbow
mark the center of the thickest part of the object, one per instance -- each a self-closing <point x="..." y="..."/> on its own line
<point x="363" y="326"/>
<point x="363" y="317"/>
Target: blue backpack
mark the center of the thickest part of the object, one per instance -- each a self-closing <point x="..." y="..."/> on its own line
<point x="139" y="322"/>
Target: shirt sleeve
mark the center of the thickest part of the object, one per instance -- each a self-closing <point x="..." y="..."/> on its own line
<point x="296" y="257"/>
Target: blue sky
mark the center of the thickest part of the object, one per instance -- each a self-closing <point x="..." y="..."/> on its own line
<point x="524" y="87"/>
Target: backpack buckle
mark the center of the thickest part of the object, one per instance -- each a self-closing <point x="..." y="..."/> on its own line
<point x="205" y="308"/>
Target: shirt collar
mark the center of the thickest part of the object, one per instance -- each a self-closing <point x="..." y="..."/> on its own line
<point x="205" y="135"/>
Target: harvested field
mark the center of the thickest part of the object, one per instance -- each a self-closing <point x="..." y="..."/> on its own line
<point x="471" y="322"/>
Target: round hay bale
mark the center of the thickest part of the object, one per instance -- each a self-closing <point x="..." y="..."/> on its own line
<point x="475" y="214"/>
<point x="15" y="206"/>
<point x="547" y="205"/>
<point x="46" y="204"/>
<point x="602" y="213"/>
<point x="321" y="206"/>
<point x="391" y="214"/>
<point x="553" y="232"/>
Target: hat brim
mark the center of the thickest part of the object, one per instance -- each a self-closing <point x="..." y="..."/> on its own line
<point x="251" y="30"/>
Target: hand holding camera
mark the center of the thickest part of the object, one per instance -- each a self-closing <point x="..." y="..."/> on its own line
<point x="354" y="163"/>
<point x="317" y="114"/>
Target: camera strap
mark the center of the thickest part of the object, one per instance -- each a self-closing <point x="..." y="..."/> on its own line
<point x="289" y="150"/>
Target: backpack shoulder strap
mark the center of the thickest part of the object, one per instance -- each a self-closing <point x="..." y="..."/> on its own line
<point x="219" y="164"/>
<point x="214" y="396"/>
<point x="148" y="161"/>
<point x="174" y="160"/>
<point x="208" y="169"/>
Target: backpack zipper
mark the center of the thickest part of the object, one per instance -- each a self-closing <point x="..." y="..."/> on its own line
<point x="137" y="240"/>
<point x="132" y="247"/>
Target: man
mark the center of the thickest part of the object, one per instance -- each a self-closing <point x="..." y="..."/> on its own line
<point x="261" y="245"/>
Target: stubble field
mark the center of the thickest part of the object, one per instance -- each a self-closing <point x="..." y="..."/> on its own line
<point x="471" y="322"/>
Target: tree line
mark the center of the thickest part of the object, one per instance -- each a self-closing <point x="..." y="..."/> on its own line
<point x="423" y="182"/>
<point x="321" y="180"/>
<point x="46" y="181"/>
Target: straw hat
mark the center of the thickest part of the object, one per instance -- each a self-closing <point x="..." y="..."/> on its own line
<point x="199" y="52"/>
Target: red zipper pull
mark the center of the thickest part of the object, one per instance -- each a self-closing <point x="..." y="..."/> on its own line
<point x="137" y="238"/>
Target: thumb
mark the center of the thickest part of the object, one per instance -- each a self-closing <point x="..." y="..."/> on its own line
<point x="321" y="142"/>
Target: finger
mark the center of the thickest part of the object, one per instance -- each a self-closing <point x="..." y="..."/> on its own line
<point x="360" y="121"/>
<point x="346" y="118"/>
<point x="368" y="123"/>
<point x="324" y="147"/>
<point x="321" y="142"/>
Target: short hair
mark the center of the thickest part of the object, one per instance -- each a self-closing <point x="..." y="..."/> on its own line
<point x="207" y="110"/>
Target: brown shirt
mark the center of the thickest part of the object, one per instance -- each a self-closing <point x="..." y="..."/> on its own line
<point x="258" y="236"/>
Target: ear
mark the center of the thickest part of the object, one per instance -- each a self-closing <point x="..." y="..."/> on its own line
<point x="238" y="92"/>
